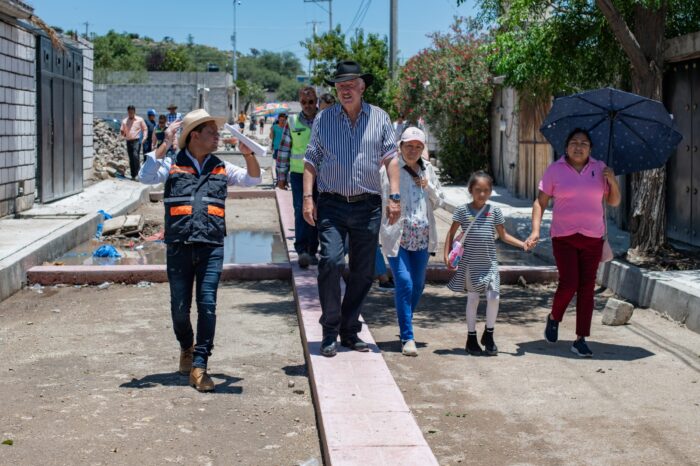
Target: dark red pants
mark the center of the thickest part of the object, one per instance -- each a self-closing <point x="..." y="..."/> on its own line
<point x="577" y="258"/>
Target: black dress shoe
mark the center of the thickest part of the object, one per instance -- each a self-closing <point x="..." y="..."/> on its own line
<point x="354" y="343"/>
<point x="329" y="347"/>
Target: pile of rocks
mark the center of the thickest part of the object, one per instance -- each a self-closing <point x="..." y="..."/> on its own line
<point x="110" y="157"/>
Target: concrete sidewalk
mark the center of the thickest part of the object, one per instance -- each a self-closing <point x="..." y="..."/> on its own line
<point x="48" y="230"/>
<point x="674" y="293"/>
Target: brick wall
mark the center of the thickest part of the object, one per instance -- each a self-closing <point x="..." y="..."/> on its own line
<point x="17" y="118"/>
<point x="88" y="106"/>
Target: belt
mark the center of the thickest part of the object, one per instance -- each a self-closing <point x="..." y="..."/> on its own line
<point x="349" y="199"/>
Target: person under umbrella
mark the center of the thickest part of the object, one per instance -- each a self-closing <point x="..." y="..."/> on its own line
<point x="578" y="184"/>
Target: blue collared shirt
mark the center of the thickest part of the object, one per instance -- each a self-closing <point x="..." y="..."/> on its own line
<point x="347" y="158"/>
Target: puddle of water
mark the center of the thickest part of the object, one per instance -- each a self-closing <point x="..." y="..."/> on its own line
<point x="240" y="247"/>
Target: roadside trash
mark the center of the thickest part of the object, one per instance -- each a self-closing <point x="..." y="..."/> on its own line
<point x="310" y="462"/>
<point x="104" y="285"/>
<point x="143" y="284"/>
<point x="37" y="288"/>
<point x="139" y="247"/>
<point x="156" y="236"/>
<point x="128" y="225"/>
<point x="105" y="216"/>
<point x="106" y="250"/>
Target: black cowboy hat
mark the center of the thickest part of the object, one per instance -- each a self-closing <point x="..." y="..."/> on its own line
<point x="348" y="70"/>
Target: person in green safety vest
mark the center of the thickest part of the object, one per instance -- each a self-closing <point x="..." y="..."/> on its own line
<point x="306" y="236"/>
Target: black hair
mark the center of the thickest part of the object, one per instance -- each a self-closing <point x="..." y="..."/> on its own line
<point x="130" y="107"/>
<point x="479" y="174"/>
<point x="196" y="129"/>
<point x="576" y="131"/>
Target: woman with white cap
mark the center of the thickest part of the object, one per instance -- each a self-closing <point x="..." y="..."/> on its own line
<point x="409" y="242"/>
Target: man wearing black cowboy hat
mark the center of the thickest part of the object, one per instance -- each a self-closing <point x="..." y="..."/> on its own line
<point x="349" y="144"/>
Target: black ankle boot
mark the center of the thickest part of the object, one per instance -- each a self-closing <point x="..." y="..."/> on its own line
<point x="472" y="347"/>
<point x="490" y="347"/>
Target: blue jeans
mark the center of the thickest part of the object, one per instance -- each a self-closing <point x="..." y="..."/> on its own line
<point x="188" y="264"/>
<point x="360" y="222"/>
<point x="379" y="265"/>
<point x="305" y="235"/>
<point x="408" y="268"/>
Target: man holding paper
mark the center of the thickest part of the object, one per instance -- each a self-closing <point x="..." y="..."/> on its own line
<point x="195" y="194"/>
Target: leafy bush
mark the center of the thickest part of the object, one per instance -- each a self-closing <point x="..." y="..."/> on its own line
<point x="448" y="86"/>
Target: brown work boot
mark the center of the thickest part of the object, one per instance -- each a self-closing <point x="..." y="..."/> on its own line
<point x="186" y="361"/>
<point x="200" y="380"/>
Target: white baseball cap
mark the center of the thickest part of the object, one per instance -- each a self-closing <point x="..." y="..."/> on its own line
<point x="413" y="134"/>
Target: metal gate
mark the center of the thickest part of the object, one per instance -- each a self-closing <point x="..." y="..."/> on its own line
<point x="60" y="121"/>
<point x="682" y="94"/>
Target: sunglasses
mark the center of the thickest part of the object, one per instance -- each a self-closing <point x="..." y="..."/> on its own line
<point x="304" y="102"/>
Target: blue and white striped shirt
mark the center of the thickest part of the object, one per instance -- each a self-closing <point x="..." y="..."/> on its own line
<point x="347" y="159"/>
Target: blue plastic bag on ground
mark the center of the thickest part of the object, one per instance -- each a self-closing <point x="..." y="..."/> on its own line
<point x="105" y="216"/>
<point x="106" y="250"/>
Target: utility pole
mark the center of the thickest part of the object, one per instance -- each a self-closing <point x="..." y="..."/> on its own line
<point x="235" y="67"/>
<point x="393" y="37"/>
<point x="312" y="62"/>
<point x="86" y="29"/>
<point x="330" y="11"/>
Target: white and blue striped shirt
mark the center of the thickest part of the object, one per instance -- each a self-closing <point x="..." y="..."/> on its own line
<point x="347" y="158"/>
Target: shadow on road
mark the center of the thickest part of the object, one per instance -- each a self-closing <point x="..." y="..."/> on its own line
<point x="601" y="351"/>
<point x="175" y="379"/>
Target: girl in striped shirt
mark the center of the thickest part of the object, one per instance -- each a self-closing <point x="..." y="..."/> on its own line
<point x="477" y="271"/>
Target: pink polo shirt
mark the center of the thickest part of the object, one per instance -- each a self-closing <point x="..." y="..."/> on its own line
<point x="578" y="198"/>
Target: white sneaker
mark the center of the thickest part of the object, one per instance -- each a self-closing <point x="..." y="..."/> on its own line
<point x="409" y="348"/>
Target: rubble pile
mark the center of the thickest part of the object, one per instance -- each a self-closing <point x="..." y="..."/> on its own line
<point x="110" y="157"/>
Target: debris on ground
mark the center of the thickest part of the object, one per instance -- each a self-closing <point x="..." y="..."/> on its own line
<point x="110" y="158"/>
<point x="127" y="225"/>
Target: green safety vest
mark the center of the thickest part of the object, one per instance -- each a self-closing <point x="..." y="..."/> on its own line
<point x="301" y="135"/>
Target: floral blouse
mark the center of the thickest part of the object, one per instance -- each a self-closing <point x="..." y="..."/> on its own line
<point x="416" y="226"/>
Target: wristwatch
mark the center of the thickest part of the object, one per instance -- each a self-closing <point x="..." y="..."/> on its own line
<point x="396" y="197"/>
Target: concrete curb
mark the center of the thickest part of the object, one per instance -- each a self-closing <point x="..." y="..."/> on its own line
<point x="670" y="296"/>
<point x="362" y="416"/>
<point x="13" y="269"/>
<point x="131" y="274"/>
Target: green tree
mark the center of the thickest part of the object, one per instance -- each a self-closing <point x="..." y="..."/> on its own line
<point x="117" y="52"/>
<point x="250" y="92"/>
<point x="288" y="90"/>
<point x="370" y="51"/>
<point x="545" y="47"/>
<point x="448" y="85"/>
<point x="177" y="59"/>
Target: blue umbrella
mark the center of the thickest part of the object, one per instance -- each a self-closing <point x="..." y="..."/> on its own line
<point x="629" y="133"/>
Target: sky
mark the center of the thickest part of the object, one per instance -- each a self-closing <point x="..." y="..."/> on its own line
<point x="275" y="25"/>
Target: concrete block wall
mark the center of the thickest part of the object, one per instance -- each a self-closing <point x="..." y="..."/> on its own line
<point x="88" y="106"/>
<point x="158" y="90"/>
<point x="18" y="137"/>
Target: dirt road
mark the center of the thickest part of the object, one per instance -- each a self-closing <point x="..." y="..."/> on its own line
<point x="636" y="402"/>
<point x="88" y="377"/>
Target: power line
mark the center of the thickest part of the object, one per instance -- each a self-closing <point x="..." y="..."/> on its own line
<point x="354" y="19"/>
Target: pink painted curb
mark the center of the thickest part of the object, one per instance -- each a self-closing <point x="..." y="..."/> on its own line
<point x="96" y="274"/>
<point x="361" y="413"/>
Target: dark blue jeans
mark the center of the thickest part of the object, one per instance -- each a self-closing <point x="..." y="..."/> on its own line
<point x="305" y="235"/>
<point x="359" y="221"/>
<point x="199" y="264"/>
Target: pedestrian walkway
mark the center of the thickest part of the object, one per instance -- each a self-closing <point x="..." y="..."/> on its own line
<point x="362" y="416"/>
<point x="675" y="293"/>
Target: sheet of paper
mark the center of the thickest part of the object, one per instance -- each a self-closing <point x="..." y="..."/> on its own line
<point x="257" y="149"/>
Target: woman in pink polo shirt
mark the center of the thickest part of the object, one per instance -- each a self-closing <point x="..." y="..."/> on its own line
<point x="578" y="184"/>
